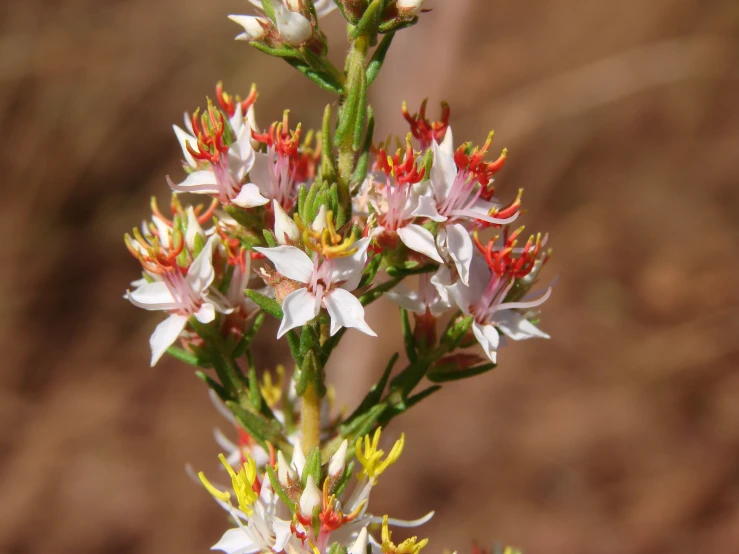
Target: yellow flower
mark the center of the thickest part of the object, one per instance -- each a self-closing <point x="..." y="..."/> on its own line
<point x="371" y="457"/>
<point x="242" y="482"/>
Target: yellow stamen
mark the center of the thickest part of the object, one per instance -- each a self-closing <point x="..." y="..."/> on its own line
<point x="327" y="242"/>
<point x="408" y="546"/>
<point x="242" y="483"/>
<point x="371" y="458"/>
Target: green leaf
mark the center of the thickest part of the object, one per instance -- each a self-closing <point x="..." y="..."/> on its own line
<point x="293" y="343"/>
<point x="254" y="329"/>
<point x="411" y="270"/>
<point x="375" y="293"/>
<point x="257" y="426"/>
<point x="369" y="22"/>
<point x="342" y="481"/>
<point x="360" y="170"/>
<point x="444" y="376"/>
<point x="408" y="339"/>
<point x="269" y="305"/>
<point x="363" y="424"/>
<point x="312" y="467"/>
<point x="269" y="9"/>
<point x="328" y="169"/>
<point x="269" y="236"/>
<point x="348" y="112"/>
<point x="322" y="79"/>
<point x="187" y="357"/>
<point x="277" y="487"/>
<point x="361" y="113"/>
<point x="456" y="332"/>
<point x="378" y="58"/>
<point x="214" y="385"/>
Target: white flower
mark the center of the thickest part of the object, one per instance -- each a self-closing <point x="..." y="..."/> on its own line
<point x="182" y="296"/>
<point x="328" y="284"/>
<point x="454" y="199"/>
<point x="483" y="299"/>
<point x="225" y="170"/>
<point x="395" y="202"/>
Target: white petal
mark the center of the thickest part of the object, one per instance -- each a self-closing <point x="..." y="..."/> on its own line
<point x="447" y="145"/>
<point x="360" y="545"/>
<point x="285" y="227"/>
<point x="517" y="327"/>
<point x="241" y="156"/>
<point x="165" y="334"/>
<point x="298" y="308"/>
<point x="407" y="299"/>
<point x="346" y="311"/>
<point x="293" y="27"/>
<point x="291" y="262"/>
<point x="348" y="270"/>
<point x="310" y="498"/>
<point x="319" y="223"/>
<point x="338" y="460"/>
<point x="460" y="247"/>
<point x="193" y="228"/>
<point x="427" y="208"/>
<point x="443" y="172"/>
<point x="206" y="313"/>
<point x="249" y="197"/>
<point x="253" y="30"/>
<point x="236" y="541"/>
<point x="421" y="240"/>
<point x="283" y="532"/>
<point x="298" y="461"/>
<point x="183" y="138"/>
<point x="237" y="120"/>
<point x="488" y="338"/>
<point x="199" y="182"/>
<point x="153" y="296"/>
<point x="201" y="273"/>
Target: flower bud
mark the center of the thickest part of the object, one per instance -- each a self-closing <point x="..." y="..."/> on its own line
<point x="360" y="545"/>
<point x="254" y="27"/>
<point x="285" y="473"/>
<point x="285" y="227"/>
<point x="293" y="27"/>
<point x="338" y="460"/>
<point x="310" y="498"/>
<point x="409" y="7"/>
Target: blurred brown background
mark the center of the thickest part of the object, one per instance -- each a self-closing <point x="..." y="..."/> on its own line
<point x="620" y="435"/>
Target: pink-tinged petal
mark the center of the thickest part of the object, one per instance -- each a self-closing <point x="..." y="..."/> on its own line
<point x="206" y="313"/>
<point x="249" y="197"/>
<point x="199" y="182"/>
<point x="163" y="231"/>
<point x="346" y="311"/>
<point x="443" y="172"/>
<point x="153" y="296"/>
<point x="200" y="275"/>
<point x="262" y="171"/>
<point x="460" y="247"/>
<point x="285" y="227"/>
<point x="236" y="541"/>
<point x="427" y="208"/>
<point x="488" y="338"/>
<point x="291" y="262"/>
<point x="514" y="325"/>
<point x="348" y="270"/>
<point x="421" y="240"/>
<point x="241" y="155"/>
<point x="298" y="308"/>
<point x="165" y="334"/>
<point x="184" y="138"/>
<point x="406" y="299"/>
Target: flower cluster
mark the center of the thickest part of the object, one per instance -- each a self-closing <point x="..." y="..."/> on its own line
<point x="310" y="227"/>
